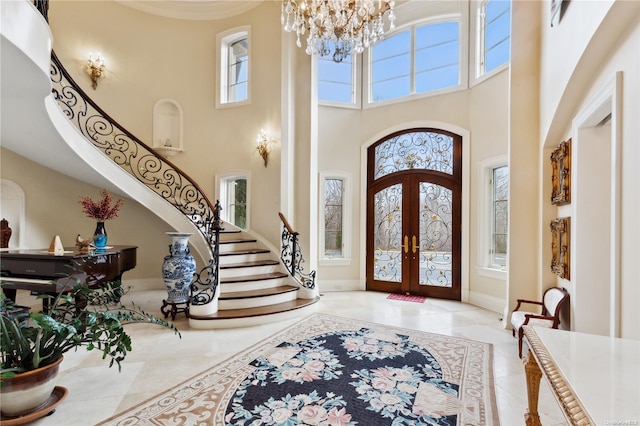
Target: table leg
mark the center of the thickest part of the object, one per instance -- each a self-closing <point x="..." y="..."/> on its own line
<point x="10" y="293"/>
<point x="533" y="375"/>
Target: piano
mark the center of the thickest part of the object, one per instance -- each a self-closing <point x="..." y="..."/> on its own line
<point x="42" y="272"/>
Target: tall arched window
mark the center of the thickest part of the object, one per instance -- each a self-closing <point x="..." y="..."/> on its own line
<point x="234" y="52"/>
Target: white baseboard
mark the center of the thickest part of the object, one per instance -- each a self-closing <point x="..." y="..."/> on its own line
<point x="142" y="284"/>
<point x="491" y="303"/>
<point x="339" y="285"/>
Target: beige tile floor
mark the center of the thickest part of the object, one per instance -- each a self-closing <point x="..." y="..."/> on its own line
<point x="161" y="360"/>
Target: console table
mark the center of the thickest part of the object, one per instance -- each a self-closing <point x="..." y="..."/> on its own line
<point x="595" y="379"/>
<point x="42" y="272"/>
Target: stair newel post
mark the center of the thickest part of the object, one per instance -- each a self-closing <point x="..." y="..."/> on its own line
<point x="217" y="227"/>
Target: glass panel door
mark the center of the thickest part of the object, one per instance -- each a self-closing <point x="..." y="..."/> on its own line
<point x="435" y="235"/>
<point x="414" y="214"/>
<point x="387" y="234"/>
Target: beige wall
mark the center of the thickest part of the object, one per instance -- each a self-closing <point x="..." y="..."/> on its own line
<point x="150" y="57"/>
<point x="562" y="47"/>
<point x="489" y="103"/>
<point x="614" y="47"/>
<point x="524" y="160"/>
<point x="342" y="144"/>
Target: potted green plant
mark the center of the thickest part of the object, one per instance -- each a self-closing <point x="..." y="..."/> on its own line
<point x="33" y="343"/>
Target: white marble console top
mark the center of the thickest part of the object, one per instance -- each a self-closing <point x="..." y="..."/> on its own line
<point x="603" y="372"/>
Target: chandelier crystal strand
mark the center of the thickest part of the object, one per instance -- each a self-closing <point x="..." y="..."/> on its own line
<point x="351" y="25"/>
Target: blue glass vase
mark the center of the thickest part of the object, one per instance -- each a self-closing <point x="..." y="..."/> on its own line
<point x="100" y="236"/>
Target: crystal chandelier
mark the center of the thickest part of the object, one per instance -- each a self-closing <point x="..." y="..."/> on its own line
<point x="351" y="25"/>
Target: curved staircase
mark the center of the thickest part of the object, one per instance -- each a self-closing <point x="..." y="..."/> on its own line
<point x="253" y="284"/>
<point x="253" y="287"/>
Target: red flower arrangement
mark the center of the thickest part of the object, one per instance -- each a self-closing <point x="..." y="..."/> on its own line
<point x="101" y="210"/>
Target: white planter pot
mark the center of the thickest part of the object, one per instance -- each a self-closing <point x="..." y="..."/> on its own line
<point x="27" y="391"/>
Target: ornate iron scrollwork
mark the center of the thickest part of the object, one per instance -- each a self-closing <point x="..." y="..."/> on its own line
<point x="205" y="283"/>
<point x="291" y="256"/>
<point x="142" y="162"/>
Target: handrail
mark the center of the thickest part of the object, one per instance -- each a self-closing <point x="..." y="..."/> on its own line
<point x="286" y="224"/>
<point x="143" y="163"/>
<point x="291" y="256"/>
<point x="126" y="150"/>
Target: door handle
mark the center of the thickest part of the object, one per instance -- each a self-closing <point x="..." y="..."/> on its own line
<point x="405" y="246"/>
<point x="415" y="244"/>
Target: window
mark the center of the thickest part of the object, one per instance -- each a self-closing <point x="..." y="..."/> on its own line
<point x="437" y="52"/>
<point x="335" y="79"/>
<point x="494" y="35"/>
<point x="499" y="216"/>
<point x="391" y="67"/>
<point x="335" y="212"/>
<point x="234" y="53"/>
<point x="418" y="60"/>
<point x="333" y="199"/>
<point x="233" y="190"/>
<point x="237" y="62"/>
<point x="493" y="224"/>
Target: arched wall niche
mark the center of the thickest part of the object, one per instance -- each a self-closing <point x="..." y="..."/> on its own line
<point x="167" y="127"/>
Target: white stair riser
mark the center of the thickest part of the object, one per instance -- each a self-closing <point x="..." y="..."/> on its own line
<point x="244" y="271"/>
<point x="226" y="236"/>
<point x="254" y="302"/>
<point x="252" y="285"/>
<point x="227" y="247"/>
<point x="242" y="258"/>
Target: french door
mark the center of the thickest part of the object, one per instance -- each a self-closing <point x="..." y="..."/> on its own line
<point x="414" y="214"/>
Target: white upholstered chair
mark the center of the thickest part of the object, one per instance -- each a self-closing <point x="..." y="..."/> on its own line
<point x="548" y="314"/>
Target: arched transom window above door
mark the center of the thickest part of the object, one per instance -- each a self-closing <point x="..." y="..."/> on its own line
<point x="414" y="150"/>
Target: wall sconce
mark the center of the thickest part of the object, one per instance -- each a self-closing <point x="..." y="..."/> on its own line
<point x="263" y="146"/>
<point x="95" y="68"/>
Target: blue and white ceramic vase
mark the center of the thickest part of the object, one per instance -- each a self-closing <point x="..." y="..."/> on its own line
<point x="178" y="268"/>
<point x="100" y="236"/>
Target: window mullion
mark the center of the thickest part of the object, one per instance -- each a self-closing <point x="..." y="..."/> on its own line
<point x="412" y="77"/>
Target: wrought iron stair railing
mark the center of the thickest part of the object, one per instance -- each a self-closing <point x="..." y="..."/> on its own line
<point x="291" y="256"/>
<point x="129" y="152"/>
<point x="161" y="176"/>
<point x="143" y="163"/>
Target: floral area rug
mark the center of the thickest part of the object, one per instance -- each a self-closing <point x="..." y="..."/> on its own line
<point x="328" y="370"/>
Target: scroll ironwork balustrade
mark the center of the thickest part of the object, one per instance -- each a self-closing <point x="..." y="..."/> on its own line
<point x="143" y="163"/>
<point x="291" y="256"/>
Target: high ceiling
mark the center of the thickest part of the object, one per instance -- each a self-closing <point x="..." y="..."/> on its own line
<point x="193" y="9"/>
